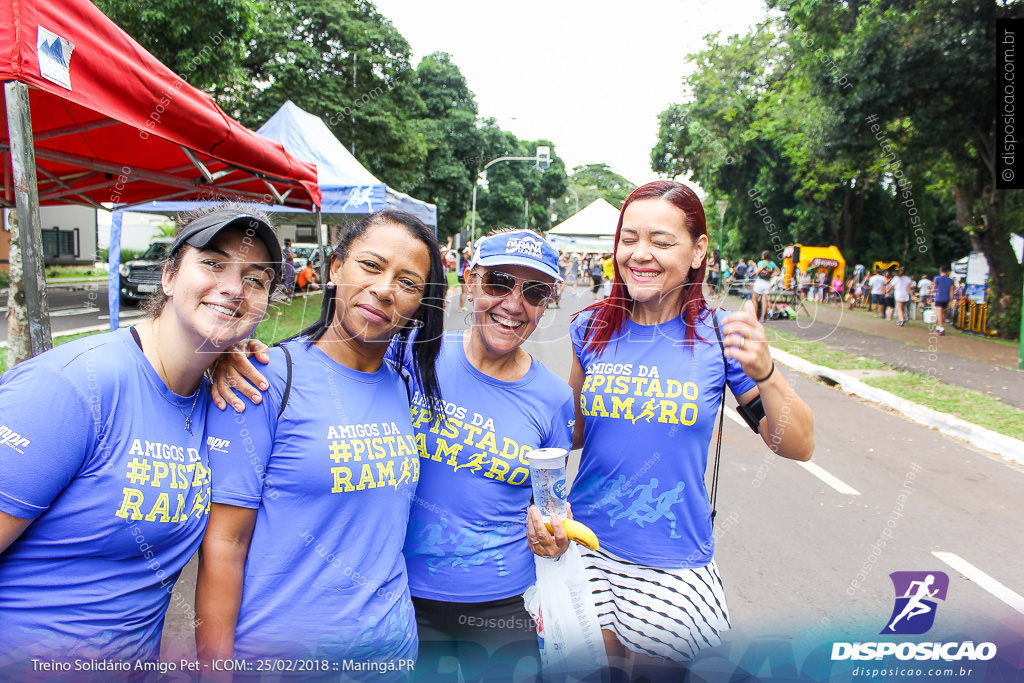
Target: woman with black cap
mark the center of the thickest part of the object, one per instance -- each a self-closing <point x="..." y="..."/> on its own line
<point x="104" y="471"/>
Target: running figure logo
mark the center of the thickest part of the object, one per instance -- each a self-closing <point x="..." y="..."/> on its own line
<point x="916" y="595"/>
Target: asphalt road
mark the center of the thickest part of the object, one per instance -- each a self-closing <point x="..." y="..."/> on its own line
<point x="72" y="307"/>
<point x="806" y="564"/>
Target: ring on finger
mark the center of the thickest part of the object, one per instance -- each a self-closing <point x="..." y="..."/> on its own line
<point x="743" y="341"/>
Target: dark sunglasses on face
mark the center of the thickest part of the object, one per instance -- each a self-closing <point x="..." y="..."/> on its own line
<point x="500" y="284"/>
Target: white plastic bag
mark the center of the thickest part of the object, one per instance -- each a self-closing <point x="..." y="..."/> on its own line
<point x="562" y="604"/>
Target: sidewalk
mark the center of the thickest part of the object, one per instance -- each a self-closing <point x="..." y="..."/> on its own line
<point x="956" y="358"/>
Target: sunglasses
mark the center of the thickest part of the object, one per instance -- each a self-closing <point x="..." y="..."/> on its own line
<point x="500" y="284"/>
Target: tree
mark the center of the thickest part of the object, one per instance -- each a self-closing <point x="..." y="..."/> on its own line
<point x="344" y="62"/>
<point x="519" y="194"/>
<point x="592" y="182"/>
<point x="924" y="71"/>
<point x="204" y="42"/>
<point x="453" y="141"/>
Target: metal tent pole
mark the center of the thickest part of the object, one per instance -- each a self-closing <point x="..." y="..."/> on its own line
<point x="26" y="192"/>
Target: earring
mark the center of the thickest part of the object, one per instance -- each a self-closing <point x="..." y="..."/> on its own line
<point x="416" y="324"/>
<point x="330" y="284"/>
<point x="168" y="291"/>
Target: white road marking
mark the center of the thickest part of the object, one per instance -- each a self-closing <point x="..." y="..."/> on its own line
<point x="972" y="573"/>
<point x="123" y="314"/>
<point x="80" y="310"/>
<point x="829" y="478"/>
<point x="735" y="417"/>
<point x="815" y="469"/>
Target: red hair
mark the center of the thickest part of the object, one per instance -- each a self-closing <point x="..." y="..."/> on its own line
<point x="610" y="315"/>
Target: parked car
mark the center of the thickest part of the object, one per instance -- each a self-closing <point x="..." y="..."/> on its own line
<point x="309" y="252"/>
<point x="141" y="277"/>
<point x="303" y="252"/>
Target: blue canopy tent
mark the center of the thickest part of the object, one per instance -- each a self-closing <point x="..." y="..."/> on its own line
<point x="348" y="189"/>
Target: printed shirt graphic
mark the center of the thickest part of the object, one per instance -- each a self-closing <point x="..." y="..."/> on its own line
<point x="119" y="493"/>
<point x="332" y="482"/>
<point x="916" y="594"/>
<point x="649" y="404"/>
<point x="467" y="529"/>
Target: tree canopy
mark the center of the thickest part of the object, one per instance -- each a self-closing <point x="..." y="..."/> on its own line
<point x="416" y="129"/>
<point x="869" y="124"/>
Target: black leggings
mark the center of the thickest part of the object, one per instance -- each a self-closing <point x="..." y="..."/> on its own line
<point x="487" y="640"/>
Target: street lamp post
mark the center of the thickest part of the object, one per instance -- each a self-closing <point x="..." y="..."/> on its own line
<point x="576" y="197"/>
<point x="723" y="204"/>
<point x="543" y="159"/>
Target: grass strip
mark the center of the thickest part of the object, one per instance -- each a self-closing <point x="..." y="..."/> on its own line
<point x="967" y="404"/>
<point x="819" y="354"/>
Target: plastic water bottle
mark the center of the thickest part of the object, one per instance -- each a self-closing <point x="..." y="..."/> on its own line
<point x="547" y="474"/>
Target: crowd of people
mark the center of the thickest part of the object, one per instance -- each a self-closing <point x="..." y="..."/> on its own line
<point x="890" y="295"/>
<point x="367" y="497"/>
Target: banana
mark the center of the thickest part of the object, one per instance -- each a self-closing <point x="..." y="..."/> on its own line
<point x="580" y="533"/>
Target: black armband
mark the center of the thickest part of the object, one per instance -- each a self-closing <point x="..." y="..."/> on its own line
<point x="752" y="413"/>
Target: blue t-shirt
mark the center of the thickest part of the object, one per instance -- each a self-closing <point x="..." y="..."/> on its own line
<point x="649" y="404"/>
<point x="467" y="531"/>
<point x="942" y="288"/>
<point x="93" y="449"/>
<point x="332" y="481"/>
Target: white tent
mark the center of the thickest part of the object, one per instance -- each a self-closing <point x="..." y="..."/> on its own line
<point x="590" y="230"/>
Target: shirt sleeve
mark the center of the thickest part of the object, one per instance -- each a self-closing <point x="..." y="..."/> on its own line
<point x="577" y="328"/>
<point x="399" y="353"/>
<point x="240" y="445"/>
<point x="46" y="436"/>
<point x="561" y="426"/>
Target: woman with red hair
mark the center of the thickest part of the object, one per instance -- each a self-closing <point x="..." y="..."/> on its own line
<point x="649" y="372"/>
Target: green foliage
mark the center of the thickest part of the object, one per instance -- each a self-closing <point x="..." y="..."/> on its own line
<point x="868" y="124"/>
<point x="344" y="62"/>
<point x="204" y="42"/>
<point x="518" y="193"/>
<point x="165" y="229"/>
<point x="592" y="182"/>
<point x="454" y="143"/>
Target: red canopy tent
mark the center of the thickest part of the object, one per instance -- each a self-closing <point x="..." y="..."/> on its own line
<point x="107" y="122"/>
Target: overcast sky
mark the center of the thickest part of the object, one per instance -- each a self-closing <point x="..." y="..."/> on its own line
<point x="591" y="77"/>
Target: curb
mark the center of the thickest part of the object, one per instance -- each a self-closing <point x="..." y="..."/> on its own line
<point x="1003" y="446"/>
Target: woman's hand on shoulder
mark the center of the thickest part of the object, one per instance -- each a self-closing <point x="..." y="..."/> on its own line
<point x="233" y="374"/>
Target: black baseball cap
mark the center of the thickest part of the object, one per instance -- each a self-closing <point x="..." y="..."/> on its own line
<point x="200" y="232"/>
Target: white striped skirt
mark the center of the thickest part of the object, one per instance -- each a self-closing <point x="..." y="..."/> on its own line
<point x="670" y="613"/>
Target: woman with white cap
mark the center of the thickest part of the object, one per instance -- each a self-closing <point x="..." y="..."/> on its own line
<point x="467" y="551"/>
<point x="104" y="468"/>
